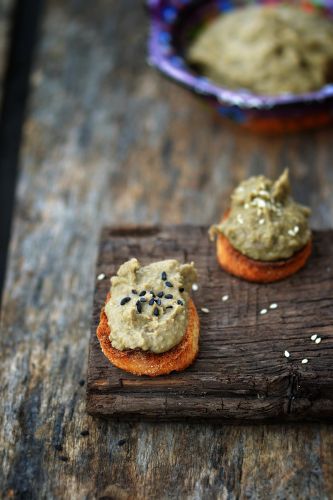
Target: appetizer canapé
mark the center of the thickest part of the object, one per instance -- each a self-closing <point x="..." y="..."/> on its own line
<point x="149" y="325"/>
<point x="265" y="235"/>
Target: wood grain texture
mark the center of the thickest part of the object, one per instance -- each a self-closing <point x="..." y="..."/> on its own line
<point x="241" y="373"/>
<point x="107" y="141"/>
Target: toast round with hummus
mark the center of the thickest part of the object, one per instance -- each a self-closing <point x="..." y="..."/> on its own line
<point x="234" y="262"/>
<point x="141" y="362"/>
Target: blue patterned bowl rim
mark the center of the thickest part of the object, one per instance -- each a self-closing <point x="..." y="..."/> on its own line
<point x="204" y="86"/>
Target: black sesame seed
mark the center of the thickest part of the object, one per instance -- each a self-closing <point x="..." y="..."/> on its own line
<point x="152" y="301"/>
<point x="141" y="294"/>
<point x="156" y="311"/>
<point x="180" y="302"/>
<point x="168" y="296"/>
<point x="82" y="382"/>
<point x="121" y="442"/>
<point x="139" y="306"/>
<point x="169" y="284"/>
<point x="63" y="458"/>
<point x="158" y="302"/>
<point x="169" y="307"/>
<point x="58" y="447"/>
<point x="160" y="294"/>
<point x="135" y="292"/>
<point x="143" y="299"/>
<point x="181" y="289"/>
<point x="84" y="433"/>
<point x="125" y="300"/>
<point x="164" y="276"/>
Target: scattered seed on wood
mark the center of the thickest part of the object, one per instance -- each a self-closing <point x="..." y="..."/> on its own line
<point x="160" y="294"/>
<point x="318" y="340"/>
<point x="304" y="361"/>
<point x="84" y="433"/>
<point x="314" y="336"/>
<point x="82" y="382"/>
<point x="195" y="287"/>
<point x="152" y="301"/>
<point x="164" y="276"/>
<point x="225" y="298"/>
<point x="143" y="299"/>
<point x="168" y="284"/>
<point x="273" y="306"/>
<point x="139" y="306"/>
<point x="121" y="442"/>
<point x="181" y="289"/>
<point x="287" y="354"/>
<point x="180" y="302"/>
<point x="263" y="311"/>
<point x="205" y="310"/>
<point x="125" y="300"/>
<point x="101" y="277"/>
<point x="141" y="294"/>
<point x="168" y="296"/>
<point x="156" y="311"/>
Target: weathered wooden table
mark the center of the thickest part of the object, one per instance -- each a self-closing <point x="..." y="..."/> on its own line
<point x="107" y="141"/>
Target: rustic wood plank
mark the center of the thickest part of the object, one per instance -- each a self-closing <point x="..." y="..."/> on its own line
<point x="109" y="141"/>
<point x="241" y="373"/>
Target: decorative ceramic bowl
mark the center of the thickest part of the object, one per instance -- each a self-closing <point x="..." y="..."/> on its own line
<point x="174" y="23"/>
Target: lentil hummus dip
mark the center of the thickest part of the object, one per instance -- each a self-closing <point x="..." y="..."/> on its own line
<point x="148" y="305"/>
<point x="270" y="49"/>
<point x="264" y="222"/>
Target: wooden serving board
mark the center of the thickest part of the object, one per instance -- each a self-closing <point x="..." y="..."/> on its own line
<point x="241" y="373"/>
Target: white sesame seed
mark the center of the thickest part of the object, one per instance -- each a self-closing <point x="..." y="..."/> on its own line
<point x="195" y="287"/>
<point x="101" y="277"/>
<point x="246" y="206"/>
<point x="291" y="232"/>
<point x="318" y="340"/>
<point x="304" y="361"/>
<point x="205" y="310"/>
<point x="296" y="229"/>
<point x="273" y="306"/>
<point x="313" y="337"/>
<point x="261" y="203"/>
<point x="286" y="354"/>
<point x="261" y="221"/>
<point x="225" y="297"/>
<point x="263" y="311"/>
<point x="240" y="219"/>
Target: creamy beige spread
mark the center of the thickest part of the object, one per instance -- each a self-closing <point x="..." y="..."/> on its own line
<point x="266" y="49"/>
<point x="148" y="305"/>
<point x="264" y="222"/>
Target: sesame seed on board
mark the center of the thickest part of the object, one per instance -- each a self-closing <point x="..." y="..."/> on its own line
<point x="314" y="336"/>
<point x="286" y="354"/>
<point x="263" y="311"/>
<point x="195" y="287"/>
<point x="318" y="340"/>
<point x="304" y="361"/>
<point x="225" y="298"/>
<point x="101" y="277"/>
<point x="205" y="310"/>
<point x="273" y="306"/>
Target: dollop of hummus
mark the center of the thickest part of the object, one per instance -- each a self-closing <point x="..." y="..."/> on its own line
<point x="148" y="305"/>
<point x="270" y="49"/>
<point x="264" y="222"/>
